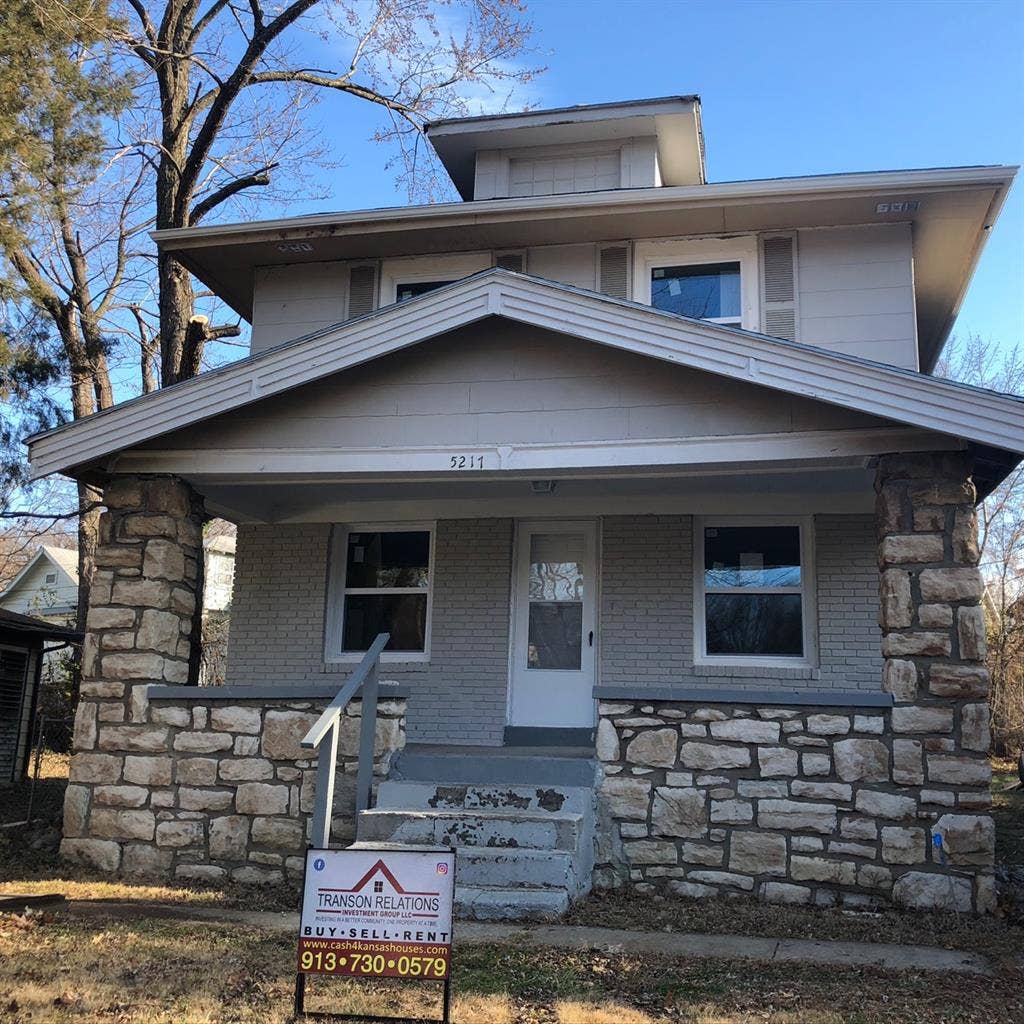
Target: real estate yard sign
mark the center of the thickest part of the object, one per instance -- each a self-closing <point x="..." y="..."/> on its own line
<point x="377" y="914"/>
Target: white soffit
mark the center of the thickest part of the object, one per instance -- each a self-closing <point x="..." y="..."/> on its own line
<point x="901" y="396"/>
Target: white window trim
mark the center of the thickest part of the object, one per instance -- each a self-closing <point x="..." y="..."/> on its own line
<point x="671" y="252"/>
<point x="413" y="269"/>
<point x="335" y="629"/>
<point x="807" y="591"/>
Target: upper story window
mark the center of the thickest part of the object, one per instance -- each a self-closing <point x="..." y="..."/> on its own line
<point x="546" y="176"/>
<point x="381" y="581"/>
<point x="51" y="577"/>
<point x="753" y="593"/>
<point x="406" y="277"/>
<point x="410" y="289"/>
<point x="708" y="279"/>
<point x="705" y="291"/>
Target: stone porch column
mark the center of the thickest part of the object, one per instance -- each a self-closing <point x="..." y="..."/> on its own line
<point x="140" y="630"/>
<point x="933" y="642"/>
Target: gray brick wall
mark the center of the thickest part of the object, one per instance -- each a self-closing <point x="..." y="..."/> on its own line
<point x="646" y="616"/>
<point x="849" y="639"/>
<point x="279" y="607"/>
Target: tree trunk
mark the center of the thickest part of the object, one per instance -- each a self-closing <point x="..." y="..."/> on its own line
<point x="88" y="538"/>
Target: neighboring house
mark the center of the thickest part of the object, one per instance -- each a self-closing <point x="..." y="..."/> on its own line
<point x="46" y="587"/>
<point x="22" y="653"/>
<point x="650" y="483"/>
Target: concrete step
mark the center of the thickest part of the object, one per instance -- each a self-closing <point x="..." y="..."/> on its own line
<point x="495" y="903"/>
<point x="486" y="766"/>
<point x="535" y="869"/>
<point x="456" y="796"/>
<point x="515" y="829"/>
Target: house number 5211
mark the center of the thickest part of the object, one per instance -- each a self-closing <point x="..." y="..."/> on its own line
<point x="466" y="462"/>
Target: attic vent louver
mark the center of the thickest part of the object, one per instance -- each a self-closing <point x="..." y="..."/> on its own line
<point x="779" y="316"/>
<point x="613" y="270"/>
<point x="514" y="261"/>
<point x="362" y="289"/>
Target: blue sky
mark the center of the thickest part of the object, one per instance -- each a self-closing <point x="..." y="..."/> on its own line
<point x="787" y="88"/>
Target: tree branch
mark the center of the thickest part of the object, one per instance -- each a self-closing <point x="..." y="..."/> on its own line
<point x="225" y="192"/>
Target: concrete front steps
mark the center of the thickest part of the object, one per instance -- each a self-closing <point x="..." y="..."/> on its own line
<point x="521" y="822"/>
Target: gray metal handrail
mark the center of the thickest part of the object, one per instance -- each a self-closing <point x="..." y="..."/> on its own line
<point x="327" y="728"/>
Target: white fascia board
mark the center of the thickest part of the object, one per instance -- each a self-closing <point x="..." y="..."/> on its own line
<point x="902" y="396"/>
<point x="585" y="203"/>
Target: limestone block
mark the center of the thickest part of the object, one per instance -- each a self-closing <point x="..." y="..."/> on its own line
<point x="851" y="850"/>
<point x="945" y="585"/>
<point x="247" y="746"/>
<point x="818" y="869"/>
<point x="249" y="769"/>
<point x="746" y="730"/>
<point x="967" y="838"/>
<point x="109" y="618"/>
<point x="649" y="851"/>
<point x="107" y="823"/>
<point x="109" y="711"/>
<point x="777" y="762"/>
<point x="900" y="679"/>
<point x="142" y="738"/>
<point x="202" y="742"/>
<point x="95" y="768"/>
<point x="196" y="771"/>
<point x="684" y="779"/>
<point x="935" y="616"/>
<point x="695" y="754"/>
<point x="164" y="560"/>
<point x="914" y="719"/>
<point x="161" y="798"/>
<point x="102" y="688"/>
<point x="204" y="799"/>
<point x="236" y="719"/>
<point x="732" y="812"/>
<point x="907" y="762"/>
<point x="974" y="727"/>
<point x="200" y="872"/>
<point x="816" y="764"/>
<point x="708" y="715"/>
<point x="885" y="805"/>
<point x="679" y="812"/>
<point x="869" y="723"/>
<point x="120" y="796"/>
<point x="168" y="714"/>
<point x="727" y="878"/>
<point x="965" y="537"/>
<point x="958" y="680"/>
<point x="858" y="828"/>
<point x="757" y="788"/>
<point x="970" y="627"/>
<point x="285" y="833"/>
<point x="923" y="644"/>
<point x="654" y="747"/>
<point x="822" y="790"/>
<point x="76" y="810"/>
<point x="140" y="703"/>
<point x="229" y="837"/>
<point x="250" y="875"/>
<point x="910" y="549"/>
<point x="117" y="640"/>
<point x="179" y="833"/>
<point x="961" y="771"/>
<point x="929" y="520"/>
<point x="940" y="797"/>
<point x="261" y="798"/>
<point x="828" y="725"/>
<point x="622" y="797"/>
<point x="149" y="667"/>
<point x="176" y="672"/>
<point x="158" y="631"/>
<point x="896" y="610"/>
<point x="859" y="760"/>
<point x="692" y="730"/>
<point x="283" y="732"/>
<point x="182" y="601"/>
<point x="783" y="892"/>
<point x="904" y="845"/>
<point x="85" y="726"/>
<point x="141" y="593"/>
<point x="145" y="861"/>
<point x="607" y="741"/>
<point x="605" y="708"/>
<point x="95" y="853"/>
<point x="798" y="817"/>
<point x="757" y="853"/>
<point x="925" y="890"/>
<point x="706" y="854"/>
<point x="874" y="876"/>
<point x="692" y="890"/>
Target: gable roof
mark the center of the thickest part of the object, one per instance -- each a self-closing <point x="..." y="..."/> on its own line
<point x="65" y="560"/>
<point x="903" y="396"/>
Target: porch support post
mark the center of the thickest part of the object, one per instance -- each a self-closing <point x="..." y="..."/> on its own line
<point x="141" y="628"/>
<point x="933" y="644"/>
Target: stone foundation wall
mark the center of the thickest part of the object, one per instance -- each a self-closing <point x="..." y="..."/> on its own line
<point x="797" y="804"/>
<point x="205" y="788"/>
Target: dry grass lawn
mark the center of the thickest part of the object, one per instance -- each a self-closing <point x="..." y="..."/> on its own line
<point x="62" y="970"/>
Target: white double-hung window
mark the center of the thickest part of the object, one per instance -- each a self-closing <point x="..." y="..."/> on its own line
<point x="754" y="594"/>
<point x="707" y="279"/>
<point x="381" y="582"/>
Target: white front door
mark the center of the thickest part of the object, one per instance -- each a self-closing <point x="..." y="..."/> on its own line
<point x="553" y="641"/>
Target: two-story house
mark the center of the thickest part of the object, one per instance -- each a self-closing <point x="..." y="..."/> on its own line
<point x="648" y="481"/>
